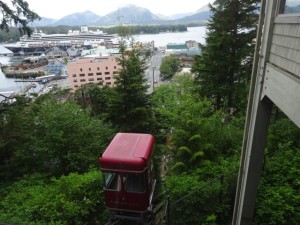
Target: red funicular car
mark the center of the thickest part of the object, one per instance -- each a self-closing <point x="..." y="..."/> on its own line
<point x="129" y="181"/>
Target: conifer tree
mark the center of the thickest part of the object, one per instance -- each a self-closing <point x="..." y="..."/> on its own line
<point x="16" y="14"/>
<point x="223" y="69"/>
<point x="129" y="106"/>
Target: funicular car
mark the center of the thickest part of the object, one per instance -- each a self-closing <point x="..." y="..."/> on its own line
<point x="129" y="182"/>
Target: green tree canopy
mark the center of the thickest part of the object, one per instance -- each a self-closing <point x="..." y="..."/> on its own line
<point x="223" y="69"/>
<point x="50" y="137"/>
<point x="72" y="199"/>
<point x="129" y="104"/>
<point x="169" y="66"/>
<point x="192" y="126"/>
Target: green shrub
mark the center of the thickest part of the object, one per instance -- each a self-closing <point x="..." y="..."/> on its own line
<point x="72" y="199"/>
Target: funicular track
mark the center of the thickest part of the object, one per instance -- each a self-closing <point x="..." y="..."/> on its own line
<point x="155" y="217"/>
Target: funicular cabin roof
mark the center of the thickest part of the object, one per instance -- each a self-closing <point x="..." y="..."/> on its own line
<point x="127" y="152"/>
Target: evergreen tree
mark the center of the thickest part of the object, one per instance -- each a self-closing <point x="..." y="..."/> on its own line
<point x="223" y="69"/>
<point x="129" y="104"/>
<point x="17" y="14"/>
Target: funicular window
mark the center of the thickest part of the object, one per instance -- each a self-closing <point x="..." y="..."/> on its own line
<point x="134" y="183"/>
<point x="112" y="181"/>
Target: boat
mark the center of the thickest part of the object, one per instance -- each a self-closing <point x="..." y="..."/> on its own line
<point x="41" y="42"/>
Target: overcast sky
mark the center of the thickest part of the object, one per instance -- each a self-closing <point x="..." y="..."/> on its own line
<point x="57" y="9"/>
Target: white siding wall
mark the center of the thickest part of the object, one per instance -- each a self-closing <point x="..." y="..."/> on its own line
<point x="285" y="48"/>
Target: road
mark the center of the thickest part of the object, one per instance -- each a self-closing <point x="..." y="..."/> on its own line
<point x="152" y="73"/>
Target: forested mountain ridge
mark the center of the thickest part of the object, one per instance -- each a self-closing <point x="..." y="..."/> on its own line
<point x="130" y="14"/>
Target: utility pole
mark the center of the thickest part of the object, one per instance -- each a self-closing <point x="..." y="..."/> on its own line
<point x="153" y="68"/>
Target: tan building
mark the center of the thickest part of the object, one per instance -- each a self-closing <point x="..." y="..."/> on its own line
<point x="99" y="70"/>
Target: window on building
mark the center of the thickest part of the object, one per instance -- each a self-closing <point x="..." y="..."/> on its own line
<point x="98" y="74"/>
<point x="81" y="74"/>
<point x="108" y="83"/>
<point x="90" y="74"/>
<point x="98" y="68"/>
<point x="75" y="81"/>
<point x="99" y="78"/>
<point x="106" y="67"/>
<point x="90" y="69"/>
<point x="82" y="80"/>
<point x="74" y="75"/>
<point x="107" y="73"/>
<point x="91" y="79"/>
<point x="76" y="86"/>
<point x="115" y="67"/>
<point x="107" y="78"/>
<point x="115" y="72"/>
<point x="80" y="69"/>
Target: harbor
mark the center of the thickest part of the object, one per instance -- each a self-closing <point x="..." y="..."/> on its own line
<point x="36" y="80"/>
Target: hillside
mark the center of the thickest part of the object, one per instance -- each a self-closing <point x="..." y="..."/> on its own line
<point x="129" y="14"/>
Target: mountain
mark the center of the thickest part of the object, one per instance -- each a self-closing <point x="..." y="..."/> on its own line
<point x="43" y="22"/>
<point x="129" y="14"/>
<point x="203" y="14"/>
<point x="181" y="15"/>
<point x="83" y="18"/>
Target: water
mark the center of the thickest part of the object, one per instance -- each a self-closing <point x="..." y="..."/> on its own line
<point x="8" y="85"/>
<point x="162" y="39"/>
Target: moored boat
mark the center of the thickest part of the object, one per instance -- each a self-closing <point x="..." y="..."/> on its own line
<point x="40" y="42"/>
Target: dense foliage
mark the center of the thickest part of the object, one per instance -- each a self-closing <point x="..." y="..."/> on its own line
<point x="191" y="128"/>
<point x="150" y="29"/>
<point x="72" y="199"/>
<point x="223" y="69"/>
<point x="278" y="195"/>
<point x="169" y="66"/>
<point x="126" y="105"/>
<point x="129" y="105"/>
<point x="204" y="147"/>
<point x="50" y="137"/>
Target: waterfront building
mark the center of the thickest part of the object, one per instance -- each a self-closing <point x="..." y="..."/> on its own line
<point x="100" y="51"/>
<point x="99" y="70"/>
<point x="73" y="52"/>
<point x="191" y="44"/>
<point x="184" y="52"/>
<point x="55" y="68"/>
<point x="56" y="53"/>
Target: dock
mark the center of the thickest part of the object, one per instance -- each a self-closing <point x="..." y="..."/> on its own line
<point x="22" y="91"/>
<point x="22" y="74"/>
<point x="10" y="95"/>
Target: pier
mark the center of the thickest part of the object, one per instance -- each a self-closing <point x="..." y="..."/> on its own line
<point x="22" y="91"/>
<point x="10" y="95"/>
<point x="39" y="79"/>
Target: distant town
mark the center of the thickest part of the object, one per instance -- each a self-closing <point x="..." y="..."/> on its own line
<point x="81" y="57"/>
